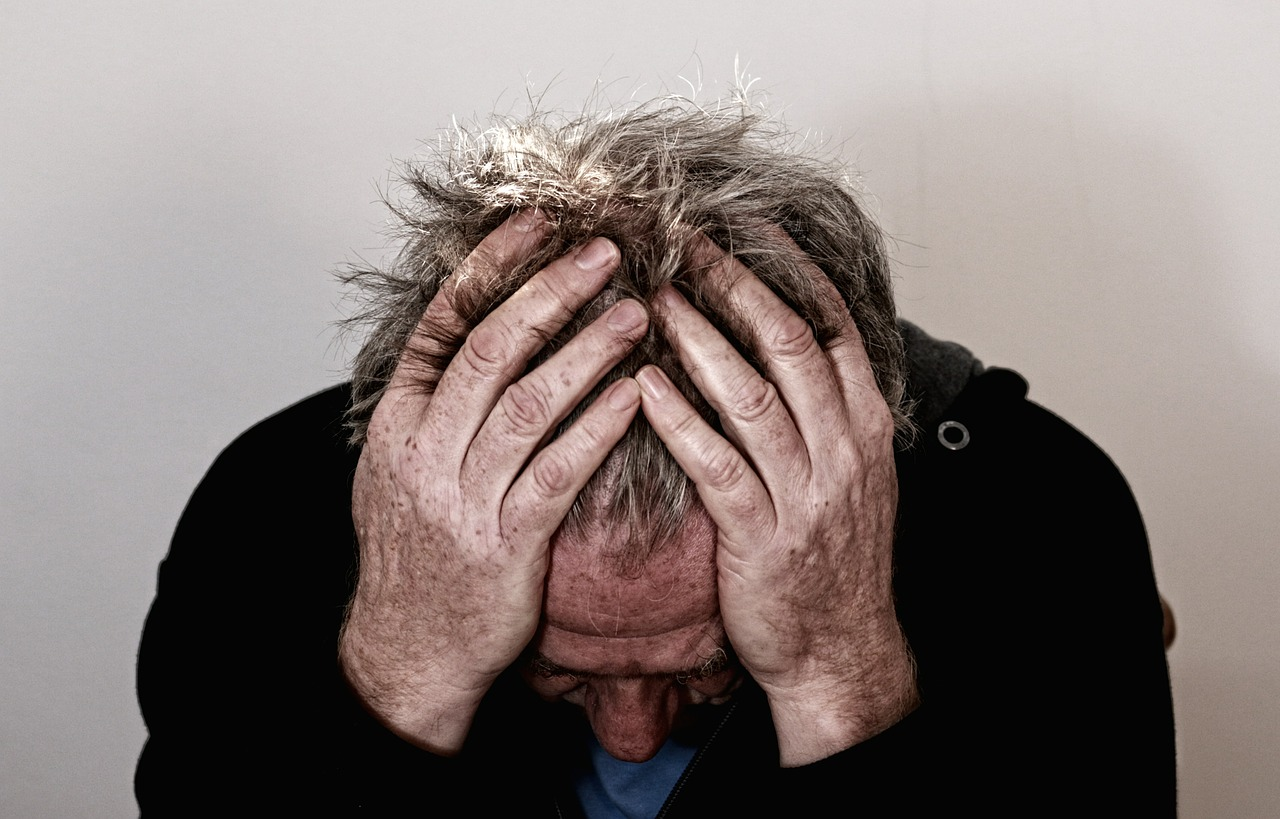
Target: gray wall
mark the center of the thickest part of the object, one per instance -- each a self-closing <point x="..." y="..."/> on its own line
<point x="1087" y="193"/>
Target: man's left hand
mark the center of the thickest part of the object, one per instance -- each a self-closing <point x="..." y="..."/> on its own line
<point x="803" y="490"/>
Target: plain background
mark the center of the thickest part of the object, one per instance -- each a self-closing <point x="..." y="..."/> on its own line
<point x="1086" y="192"/>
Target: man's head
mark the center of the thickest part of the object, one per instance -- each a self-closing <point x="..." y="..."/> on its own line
<point x="652" y="179"/>
<point x="631" y="626"/>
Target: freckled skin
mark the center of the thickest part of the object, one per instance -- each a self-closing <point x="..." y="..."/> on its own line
<point x="454" y="546"/>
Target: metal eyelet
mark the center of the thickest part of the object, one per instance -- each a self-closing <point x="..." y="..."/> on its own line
<point x="953" y="435"/>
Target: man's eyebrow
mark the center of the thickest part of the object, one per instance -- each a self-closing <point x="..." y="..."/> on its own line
<point x="717" y="661"/>
<point x="714" y="664"/>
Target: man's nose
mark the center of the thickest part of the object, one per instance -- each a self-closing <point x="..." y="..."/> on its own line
<point x="632" y="716"/>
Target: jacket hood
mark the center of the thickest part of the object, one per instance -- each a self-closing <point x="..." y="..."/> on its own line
<point x="937" y="372"/>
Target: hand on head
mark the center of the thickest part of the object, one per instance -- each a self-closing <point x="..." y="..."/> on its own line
<point x="802" y="490"/>
<point x="458" y="499"/>
<point x="455" y="498"/>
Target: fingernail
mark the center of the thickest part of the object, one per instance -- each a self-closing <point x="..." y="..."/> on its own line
<point x="623" y="394"/>
<point x="595" y="254"/>
<point x="626" y="316"/>
<point x="526" y="220"/>
<point x="654" y="381"/>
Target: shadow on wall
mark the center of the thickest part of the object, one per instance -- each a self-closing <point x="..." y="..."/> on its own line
<point x="1100" y="258"/>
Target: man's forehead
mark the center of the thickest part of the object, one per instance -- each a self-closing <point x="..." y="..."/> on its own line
<point x="680" y="651"/>
<point x="587" y="593"/>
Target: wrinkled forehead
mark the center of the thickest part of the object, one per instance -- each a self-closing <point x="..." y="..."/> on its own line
<point x="591" y="591"/>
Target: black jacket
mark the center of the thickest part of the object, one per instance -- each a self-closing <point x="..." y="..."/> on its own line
<point x="1023" y="581"/>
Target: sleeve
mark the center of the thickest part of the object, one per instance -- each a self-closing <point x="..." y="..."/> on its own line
<point x="246" y="709"/>
<point x="1026" y="590"/>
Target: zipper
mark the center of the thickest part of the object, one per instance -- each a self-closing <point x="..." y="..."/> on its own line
<point x="688" y="771"/>
<point x="693" y="763"/>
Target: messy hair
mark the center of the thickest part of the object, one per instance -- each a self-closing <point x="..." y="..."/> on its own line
<point x="651" y="178"/>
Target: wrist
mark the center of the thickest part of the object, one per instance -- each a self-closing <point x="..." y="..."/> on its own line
<point x="830" y="712"/>
<point x="417" y="703"/>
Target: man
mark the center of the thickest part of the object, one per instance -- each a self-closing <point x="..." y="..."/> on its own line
<point x="625" y="430"/>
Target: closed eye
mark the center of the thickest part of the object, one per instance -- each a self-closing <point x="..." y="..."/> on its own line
<point x="546" y="669"/>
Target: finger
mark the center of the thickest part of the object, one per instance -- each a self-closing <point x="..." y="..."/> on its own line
<point x="529" y="409"/>
<point x="847" y="352"/>
<point x="442" y="328"/>
<point x="751" y="409"/>
<point x="857" y="378"/>
<point x="543" y="494"/>
<point x="807" y="378"/>
<point x="497" y="350"/>
<point x="730" y="490"/>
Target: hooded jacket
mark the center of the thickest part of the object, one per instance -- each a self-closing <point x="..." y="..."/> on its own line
<point x="1023" y="581"/>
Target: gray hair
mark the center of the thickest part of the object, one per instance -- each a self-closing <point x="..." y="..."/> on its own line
<point x="650" y="178"/>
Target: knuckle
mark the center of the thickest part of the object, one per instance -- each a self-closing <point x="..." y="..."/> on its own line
<point x="724" y="468"/>
<point x="878" y="421"/>
<point x="527" y="407"/>
<point x="552" y="474"/>
<point x="790" y="336"/>
<point x="756" y="398"/>
<point x="486" y="350"/>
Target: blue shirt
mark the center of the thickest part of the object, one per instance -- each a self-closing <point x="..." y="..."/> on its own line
<point x="613" y="789"/>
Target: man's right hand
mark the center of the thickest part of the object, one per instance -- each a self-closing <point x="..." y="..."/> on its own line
<point x="456" y="498"/>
